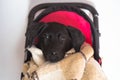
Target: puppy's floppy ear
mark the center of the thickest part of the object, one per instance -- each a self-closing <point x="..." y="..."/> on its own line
<point x="77" y="38"/>
<point x="33" y="31"/>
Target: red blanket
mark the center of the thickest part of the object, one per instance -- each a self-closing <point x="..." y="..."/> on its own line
<point x="70" y="19"/>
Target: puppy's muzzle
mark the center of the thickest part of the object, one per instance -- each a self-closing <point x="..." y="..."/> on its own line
<point x="53" y="56"/>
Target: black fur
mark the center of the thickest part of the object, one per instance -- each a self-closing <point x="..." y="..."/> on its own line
<point x="27" y="56"/>
<point x="55" y="39"/>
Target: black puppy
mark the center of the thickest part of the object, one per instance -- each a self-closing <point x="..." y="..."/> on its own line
<point x="55" y="39"/>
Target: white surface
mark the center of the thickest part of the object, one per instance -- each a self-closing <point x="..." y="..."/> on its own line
<point x="13" y="17"/>
<point x="110" y="40"/>
<point x="12" y="29"/>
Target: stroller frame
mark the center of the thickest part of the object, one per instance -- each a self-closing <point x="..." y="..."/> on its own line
<point x="94" y="24"/>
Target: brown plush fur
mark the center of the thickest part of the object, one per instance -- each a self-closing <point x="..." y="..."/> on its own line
<point x="72" y="67"/>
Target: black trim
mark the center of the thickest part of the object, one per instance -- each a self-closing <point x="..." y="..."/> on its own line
<point x="47" y="5"/>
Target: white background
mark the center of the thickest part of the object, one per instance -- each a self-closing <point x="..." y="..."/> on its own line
<point x="13" y="20"/>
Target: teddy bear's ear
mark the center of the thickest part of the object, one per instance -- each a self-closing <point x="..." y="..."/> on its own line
<point x="33" y="31"/>
<point x="77" y="38"/>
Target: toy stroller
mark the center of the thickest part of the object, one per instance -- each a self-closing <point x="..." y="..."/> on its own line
<point x="89" y="25"/>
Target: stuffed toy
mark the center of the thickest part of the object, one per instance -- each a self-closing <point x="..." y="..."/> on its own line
<point x="75" y="66"/>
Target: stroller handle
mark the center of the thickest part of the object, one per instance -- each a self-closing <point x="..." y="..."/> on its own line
<point x="79" y="5"/>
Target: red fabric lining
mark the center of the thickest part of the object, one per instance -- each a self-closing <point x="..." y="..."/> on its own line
<point x="70" y="19"/>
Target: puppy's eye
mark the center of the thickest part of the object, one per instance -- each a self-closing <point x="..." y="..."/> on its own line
<point x="61" y="37"/>
<point x="46" y="36"/>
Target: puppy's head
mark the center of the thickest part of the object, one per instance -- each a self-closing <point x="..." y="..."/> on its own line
<point x="55" y="39"/>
